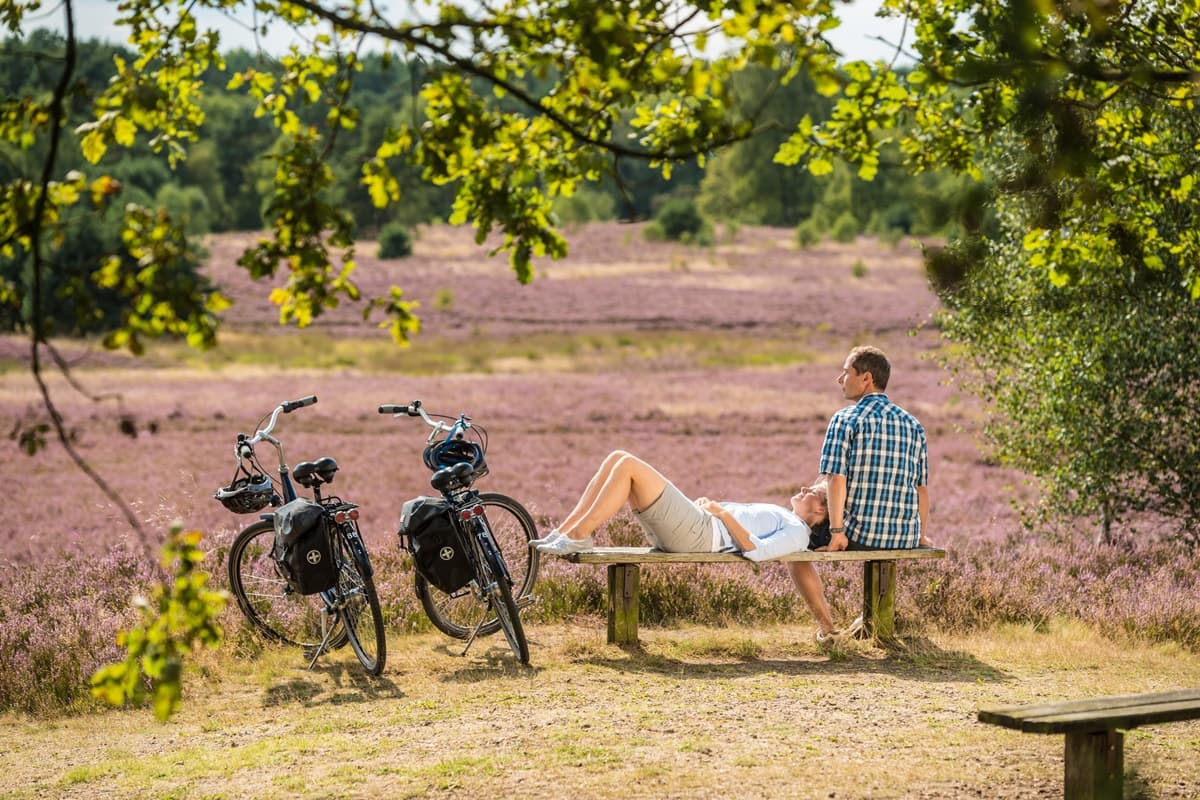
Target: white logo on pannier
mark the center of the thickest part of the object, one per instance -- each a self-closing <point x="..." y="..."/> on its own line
<point x="446" y="553"/>
<point x="314" y="556"/>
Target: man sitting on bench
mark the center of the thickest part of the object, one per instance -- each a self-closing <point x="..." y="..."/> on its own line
<point x="675" y="524"/>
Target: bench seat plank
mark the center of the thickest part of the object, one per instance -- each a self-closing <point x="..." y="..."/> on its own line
<point x="879" y="580"/>
<point x="649" y="555"/>
<point x="1100" y="713"/>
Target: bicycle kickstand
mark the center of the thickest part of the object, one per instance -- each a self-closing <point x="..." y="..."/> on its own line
<point x="323" y="646"/>
<point x="475" y="630"/>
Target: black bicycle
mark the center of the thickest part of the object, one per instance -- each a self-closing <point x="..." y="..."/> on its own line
<point x="301" y="574"/>
<point x="475" y="567"/>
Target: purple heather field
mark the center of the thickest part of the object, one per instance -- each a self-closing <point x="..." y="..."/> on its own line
<point x="725" y="381"/>
<point x="746" y="432"/>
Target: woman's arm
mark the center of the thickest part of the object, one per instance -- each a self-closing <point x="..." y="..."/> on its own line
<point x="740" y="536"/>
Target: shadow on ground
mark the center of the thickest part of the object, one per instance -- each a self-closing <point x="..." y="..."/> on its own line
<point x="914" y="658"/>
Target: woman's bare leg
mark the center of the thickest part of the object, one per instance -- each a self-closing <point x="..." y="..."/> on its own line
<point x="627" y="479"/>
<point x="593" y="489"/>
<point x="808" y="582"/>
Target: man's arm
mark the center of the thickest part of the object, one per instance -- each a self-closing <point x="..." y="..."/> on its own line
<point x="923" y="513"/>
<point x="837" y="513"/>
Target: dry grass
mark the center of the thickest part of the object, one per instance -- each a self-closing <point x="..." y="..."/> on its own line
<point x="693" y="713"/>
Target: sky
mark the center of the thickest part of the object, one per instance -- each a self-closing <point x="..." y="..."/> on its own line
<point x="857" y="38"/>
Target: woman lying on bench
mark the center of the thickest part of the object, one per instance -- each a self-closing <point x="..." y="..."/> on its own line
<point x="674" y="523"/>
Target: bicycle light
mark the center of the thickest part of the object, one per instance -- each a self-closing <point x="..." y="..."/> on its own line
<point x="466" y="514"/>
<point x="343" y="516"/>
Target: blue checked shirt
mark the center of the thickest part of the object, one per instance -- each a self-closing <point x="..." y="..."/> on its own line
<point x="881" y="450"/>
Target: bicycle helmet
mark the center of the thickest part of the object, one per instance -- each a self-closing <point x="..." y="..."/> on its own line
<point x="246" y="495"/>
<point x="455" y="451"/>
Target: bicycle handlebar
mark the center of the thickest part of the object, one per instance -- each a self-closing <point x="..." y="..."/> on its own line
<point x="245" y="444"/>
<point x="415" y="409"/>
<point x="289" y="406"/>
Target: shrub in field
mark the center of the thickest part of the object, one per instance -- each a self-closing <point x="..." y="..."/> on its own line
<point x="679" y="218"/>
<point x="845" y="228"/>
<point x="395" y="241"/>
<point x="807" y="234"/>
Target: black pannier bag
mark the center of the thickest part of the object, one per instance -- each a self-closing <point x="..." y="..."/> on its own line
<point x="427" y="531"/>
<point x="303" y="551"/>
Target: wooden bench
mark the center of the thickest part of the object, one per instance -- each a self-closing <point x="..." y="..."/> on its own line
<point x="1094" y="756"/>
<point x="879" y="580"/>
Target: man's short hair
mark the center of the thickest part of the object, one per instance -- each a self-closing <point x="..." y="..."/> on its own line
<point x="872" y="360"/>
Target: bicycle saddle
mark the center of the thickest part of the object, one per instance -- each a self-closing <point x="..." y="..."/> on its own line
<point x="310" y="473"/>
<point x="460" y="474"/>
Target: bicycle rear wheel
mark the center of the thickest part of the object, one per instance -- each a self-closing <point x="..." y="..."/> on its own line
<point x="270" y="605"/>
<point x="505" y="608"/>
<point x="457" y="613"/>
<point x="357" y="603"/>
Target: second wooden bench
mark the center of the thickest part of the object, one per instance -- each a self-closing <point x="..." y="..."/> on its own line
<point x="1094" y="755"/>
<point x="879" y="580"/>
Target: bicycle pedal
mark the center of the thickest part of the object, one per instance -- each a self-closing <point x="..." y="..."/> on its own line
<point x="526" y="601"/>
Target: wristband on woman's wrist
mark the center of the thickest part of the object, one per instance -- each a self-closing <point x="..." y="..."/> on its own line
<point x="837" y="530"/>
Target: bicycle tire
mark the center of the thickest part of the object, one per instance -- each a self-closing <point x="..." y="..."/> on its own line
<point x="455" y="614"/>
<point x="264" y="598"/>
<point x="505" y="608"/>
<point x="354" y="594"/>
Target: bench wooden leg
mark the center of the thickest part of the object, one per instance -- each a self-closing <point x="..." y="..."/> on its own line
<point x="1095" y="765"/>
<point x="623" y="603"/>
<point x="879" y="599"/>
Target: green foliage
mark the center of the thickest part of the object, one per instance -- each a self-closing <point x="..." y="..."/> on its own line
<point x="679" y="218"/>
<point x="395" y="241"/>
<point x="653" y="232"/>
<point x="1092" y="382"/>
<point x="845" y="228"/>
<point x="585" y="205"/>
<point x="188" y="205"/>
<point x="741" y="183"/>
<point x="175" y="619"/>
<point x="808" y="233"/>
<point x="1069" y="106"/>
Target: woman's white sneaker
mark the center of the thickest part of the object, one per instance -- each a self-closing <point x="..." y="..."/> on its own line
<point x="549" y="538"/>
<point x="566" y="545"/>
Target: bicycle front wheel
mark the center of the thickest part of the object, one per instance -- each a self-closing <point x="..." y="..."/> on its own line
<point x="358" y="604"/>
<point x="269" y="604"/>
<point x="457" y="613"/>
<point x="505" y="608"/>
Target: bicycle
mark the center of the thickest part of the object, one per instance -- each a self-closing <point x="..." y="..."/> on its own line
<point x="492" y="531"/>
<point x="346" y="606"/>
